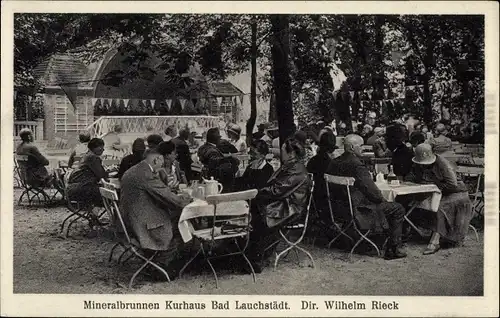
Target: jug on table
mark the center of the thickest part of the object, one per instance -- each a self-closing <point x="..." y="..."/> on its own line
<point x="212" y="187"/>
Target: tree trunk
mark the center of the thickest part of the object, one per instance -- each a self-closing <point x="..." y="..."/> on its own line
<point x="281" y="75"/>
<point x="253" y="85"/>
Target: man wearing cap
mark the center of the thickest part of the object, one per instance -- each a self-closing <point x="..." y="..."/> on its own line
<point x="260" y="132"/>
<point x="371" y="209"/>
<point x="440" y="143"/>
<point x="455" y="209"/>
<point x="234" y="134"/>
<point x="216" y="164"/>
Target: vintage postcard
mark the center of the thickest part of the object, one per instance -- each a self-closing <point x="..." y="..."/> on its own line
<point x="241" y="158"/>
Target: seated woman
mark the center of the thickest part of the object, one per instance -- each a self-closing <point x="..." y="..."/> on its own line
<point x="34" y="170"/>
<point x="79" y="149"/>
<point x="115" y="148"/>
<point x="318" y="166"/>
<point x="283" y="197"/>
<point x="303" y="138"/>
<point x="171" y="174"/>
<point x="259" y="170"/>
<point x="83" y="183"/>
<point x="455" y="209"/>
<point x="138" y="149"/>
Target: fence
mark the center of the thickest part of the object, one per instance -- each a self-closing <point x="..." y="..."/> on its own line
<point x="150" y="124"/>
<point x="35" y="126"/>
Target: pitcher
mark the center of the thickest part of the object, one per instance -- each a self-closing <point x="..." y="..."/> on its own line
<point x="212" y="187"/>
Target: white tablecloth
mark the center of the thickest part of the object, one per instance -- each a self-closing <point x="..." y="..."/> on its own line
<point x="201" y="208"/>
<point x="431" y="203"/>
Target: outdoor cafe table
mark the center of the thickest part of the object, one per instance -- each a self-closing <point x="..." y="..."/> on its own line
<point x="431" y="202"/>
<point x="200" y="208"/>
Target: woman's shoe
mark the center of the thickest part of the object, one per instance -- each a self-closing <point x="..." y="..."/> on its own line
<point x="431" y="249"/>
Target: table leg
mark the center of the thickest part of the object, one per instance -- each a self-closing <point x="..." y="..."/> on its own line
<point x="413" y="206"/>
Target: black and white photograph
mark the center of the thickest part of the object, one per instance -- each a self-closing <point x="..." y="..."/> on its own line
<point x="253" y="153"/>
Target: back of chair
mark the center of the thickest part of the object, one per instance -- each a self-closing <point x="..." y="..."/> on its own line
<point x="110" y="200"/>
<point x="341" y="181"/>
<point x="59" y="177"/>
<point x="109" y="185"/>
<point x="241" y="220"/>
<point x="22" y="165"/>
<point x="244" y="159"/>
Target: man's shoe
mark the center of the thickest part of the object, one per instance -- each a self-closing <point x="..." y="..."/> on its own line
<point x="394" y="253"/>
<point x="431" y="249"/>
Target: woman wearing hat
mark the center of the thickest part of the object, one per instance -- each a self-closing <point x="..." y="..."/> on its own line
<point x="455" y="209"/>
<point x="234" y="134"/>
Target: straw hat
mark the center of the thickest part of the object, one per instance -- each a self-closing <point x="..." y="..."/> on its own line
<point x="235" y="129"/>
<point x="424" y="155"/>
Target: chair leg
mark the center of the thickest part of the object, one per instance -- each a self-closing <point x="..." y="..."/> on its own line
<point x="189" y="262"/>
<point x="123" y="254"/>
<point x="148" y="261"/>
<point x="246" y="259"/>
<point x="475" y="232"/>
<point x="211" y="266"/>
<point x="25" y="192"/>
<point x="308" y="255"/>
<point x="112" y="251"/>
<point x="79" y="216"/>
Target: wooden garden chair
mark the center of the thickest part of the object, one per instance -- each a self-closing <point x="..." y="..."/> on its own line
<point x="298" y="223"/>
<point x="227" y="229"/>
<point x="363" y="233"/>
<point x="30" y="191"/>
<point x="110" y="199"/>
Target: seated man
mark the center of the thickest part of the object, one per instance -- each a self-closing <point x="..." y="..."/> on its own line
<point x="137" y="155"/>
<point x="222" y="167"/>
<point x="35" y="172"/>
<point x="153" y="141"/>
<point x="183" y="153"/>
<point x="368" y="202"/>
<point x="150" y="209"/>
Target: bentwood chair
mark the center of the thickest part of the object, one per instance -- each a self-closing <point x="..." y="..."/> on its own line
<point x="362" y="233"/>
<point x="110" y="199"/>
<point x="298" y="224"/>
<point x="229" y="229"/>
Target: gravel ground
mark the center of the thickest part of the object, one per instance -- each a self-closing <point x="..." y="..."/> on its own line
<point x="47" y="263"/>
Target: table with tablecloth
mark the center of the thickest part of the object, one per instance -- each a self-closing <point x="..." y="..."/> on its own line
<point x="430" y="202"/>
<point x="201" y="208"/>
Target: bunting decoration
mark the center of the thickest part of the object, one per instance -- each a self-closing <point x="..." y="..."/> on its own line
<point x="219" y="101"/>
<point x="182" y="101"/>
<point x="125" y="102"/>
<point x="169" y="103"/>
<point x="153" y="103"/>
<point x="242" y="97"/>
<point x="94" y="101"/>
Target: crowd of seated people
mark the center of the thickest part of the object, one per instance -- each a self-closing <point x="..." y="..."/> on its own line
<point x="151" y="175"/>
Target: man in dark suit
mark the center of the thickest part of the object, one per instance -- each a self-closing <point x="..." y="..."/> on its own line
<point x="222" y="167"/>
<point x="370" y="206"/>
<point x="183" y="153"/>
<point x="150" y="209"/>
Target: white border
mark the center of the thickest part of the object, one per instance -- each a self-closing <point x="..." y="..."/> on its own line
<point x="72" y="305"/>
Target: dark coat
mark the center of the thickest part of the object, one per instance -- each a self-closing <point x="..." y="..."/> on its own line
<point x="318" y="166"/>
<point x="83" y="182"/>
<point x="285" y="194"/>
<point x="183" y="156"/>
<point x="254" y="178"/>
<point x="216" y="165"/>
<point x="401" y="160"/>
<point x="148" y="206"/>
<point x="365" y="194"/>
<point x="128" y="162"/>
<point x="34" y="171"/>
